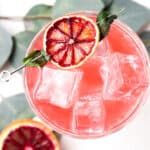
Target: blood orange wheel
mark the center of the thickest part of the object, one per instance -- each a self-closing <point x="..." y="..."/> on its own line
<point x="28" y="135"/>
<point x="71" y="40"/>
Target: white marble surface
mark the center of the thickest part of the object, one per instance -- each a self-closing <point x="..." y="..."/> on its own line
<point x="135" y="136"/>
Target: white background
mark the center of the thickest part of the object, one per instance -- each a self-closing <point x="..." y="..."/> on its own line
<point x="135" y="136"/>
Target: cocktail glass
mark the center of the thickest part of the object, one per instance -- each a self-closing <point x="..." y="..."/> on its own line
<point x="99" y="97"/>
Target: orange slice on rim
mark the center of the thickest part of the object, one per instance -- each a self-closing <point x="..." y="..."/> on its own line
<point x="28" y="135"/>
<point x="71" y="40"/>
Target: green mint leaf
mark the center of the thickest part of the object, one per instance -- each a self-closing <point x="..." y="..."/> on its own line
<point x="105" y="19"/>
<point x="36" y="58"/>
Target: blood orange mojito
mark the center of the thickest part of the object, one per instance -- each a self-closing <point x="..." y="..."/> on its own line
<point x="99" y="96"/>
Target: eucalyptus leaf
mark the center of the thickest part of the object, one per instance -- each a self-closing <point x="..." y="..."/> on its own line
<point x="145" y="36"/>
<point x="42" y="13"/>
<point x="5" y="46"/>
<point x="134" y="15"/>
<point x="13" y="108"/>
<point x="62" y="7"/>
<point x="21" y="44"/>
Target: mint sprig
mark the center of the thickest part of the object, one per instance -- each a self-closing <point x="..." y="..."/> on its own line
<point x="105" y="19"/>
<point x="37" y="58"/>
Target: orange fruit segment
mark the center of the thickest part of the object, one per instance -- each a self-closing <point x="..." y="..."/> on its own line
<point x="28" y="135"/>
<point x="71" y="40"/>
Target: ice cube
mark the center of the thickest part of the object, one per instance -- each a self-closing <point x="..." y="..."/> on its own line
<point x="111" y="75"/>
<point x="59" y="87"/>
<point x="89" y="114"/>
<point x="123" y="76"/>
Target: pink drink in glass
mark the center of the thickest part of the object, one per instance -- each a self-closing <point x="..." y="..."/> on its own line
<point x="99" y="97"/>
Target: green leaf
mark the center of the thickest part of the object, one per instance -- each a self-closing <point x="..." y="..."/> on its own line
<point x="36" y="58"/>
<point x="5" y="46"/>
<point x="21" y="44"/>
<point x="105" y="19"/>
<point x="135" y="15"/>
<point x="62" y="7"/>
<point x="38" y="11"/>
<point x="14" y="108"/>
<point x="145" y="36"/>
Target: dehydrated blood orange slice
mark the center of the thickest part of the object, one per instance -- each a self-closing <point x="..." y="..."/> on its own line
<point x="28" y="135"/>
<point x="71" y="40"/>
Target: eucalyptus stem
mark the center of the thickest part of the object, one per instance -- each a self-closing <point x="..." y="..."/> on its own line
<point x="146" y="42"/>
<point x="24" y="18"/>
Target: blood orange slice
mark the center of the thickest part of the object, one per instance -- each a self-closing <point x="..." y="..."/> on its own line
<point x="71" y="40"/>
<point x="28" y="135"/>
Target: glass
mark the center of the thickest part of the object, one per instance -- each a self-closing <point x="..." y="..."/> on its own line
<point x="99" y="97"/>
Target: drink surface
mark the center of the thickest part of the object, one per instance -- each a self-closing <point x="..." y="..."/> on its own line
<point x="100" y="96"/>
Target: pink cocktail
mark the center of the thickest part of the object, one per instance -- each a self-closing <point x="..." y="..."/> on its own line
<point x="100" y="96"/>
